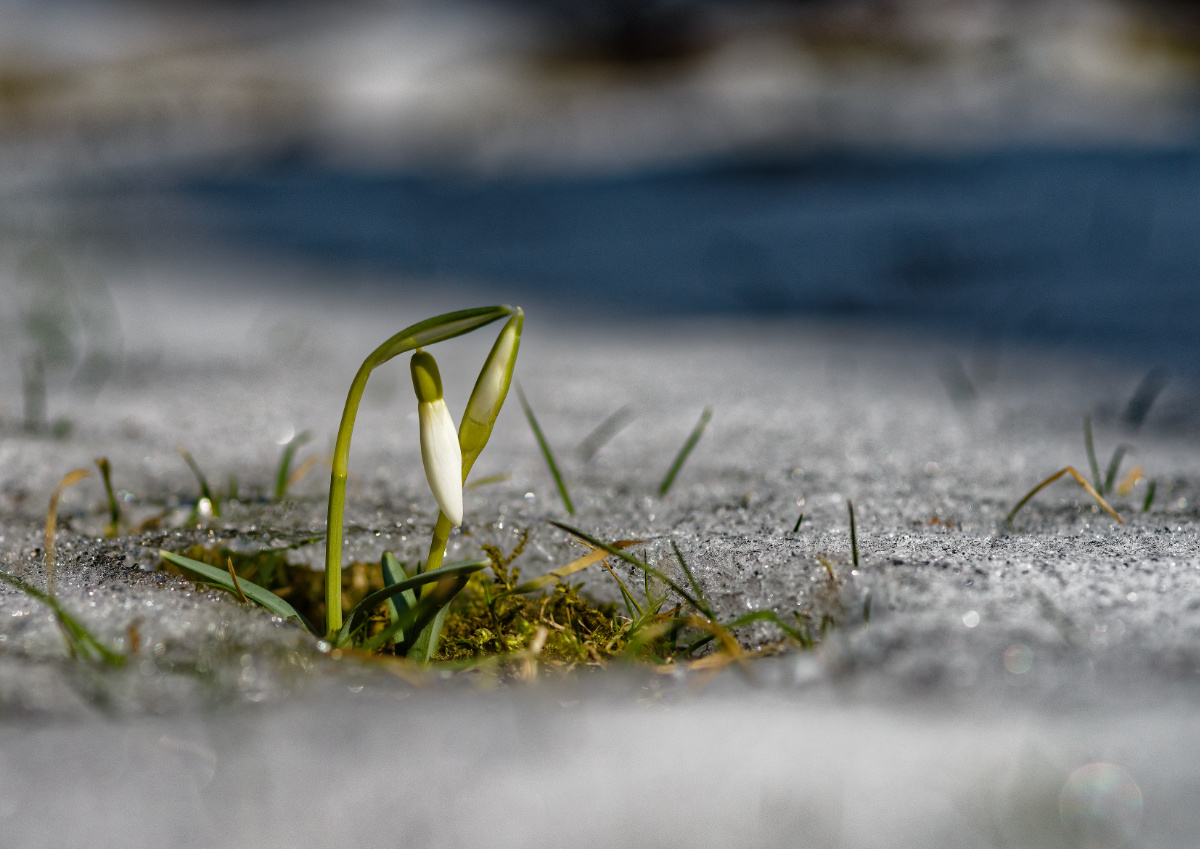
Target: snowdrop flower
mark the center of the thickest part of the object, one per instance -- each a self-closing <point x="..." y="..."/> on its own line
<point x="439" y="439"/>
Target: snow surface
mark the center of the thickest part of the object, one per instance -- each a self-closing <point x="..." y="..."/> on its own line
<point x="995" y="662"/>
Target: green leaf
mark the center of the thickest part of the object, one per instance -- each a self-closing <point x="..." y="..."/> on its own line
<point x="438" y="329"/>
<point x="358" y="616"/>
<point x="220" y="577"/>
<point x="80" y="641"/>
<point x="682" y="456"/>
<point x="546" y="452"/>
<point x="393" y="573"/>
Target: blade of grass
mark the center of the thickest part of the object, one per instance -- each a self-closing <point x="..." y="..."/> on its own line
<point x="1114" y="466"/>
<point x="70" y="479"/>
<point x="853" y="534"/>
<point x="248" y="589"/>
<point x="796" y="528"/>
<point x="696" y="605"/>
<point x="546" y="452"/>
<point x="605" y="431"/>
<point x="1071" y="471"/>
<point x="283" y="476"/>
<point x="358" y="614"/>
<point x="234" y="578"/>
<point x="687" y="570"/>
<point x="205" y="492"/>
<point x="488" y="481"/>
<point x="80" y="641"/>
<point x="393" y="573"/>
<point x="682" y="456"/>
<point x="593" y="556"/>
<point x="114" y="509"/>
<point x="1144" y="396"/>
<point x="1149" y="496"/>
<point x="1091" y="451"/>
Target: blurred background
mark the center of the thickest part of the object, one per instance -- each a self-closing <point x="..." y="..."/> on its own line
<point x="989" y="171"/>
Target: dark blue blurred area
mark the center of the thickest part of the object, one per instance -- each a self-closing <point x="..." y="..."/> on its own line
<point x="1097" y="249"/>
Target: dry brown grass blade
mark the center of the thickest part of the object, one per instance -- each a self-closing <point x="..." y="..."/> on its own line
<point x="69" y="479"/>
<point x="233" y="577"/>
<point x="593" y="556"/>
<point x="1071" y="471"/>
<point x="1130" y="480"/>
<point x="303" y="469"/>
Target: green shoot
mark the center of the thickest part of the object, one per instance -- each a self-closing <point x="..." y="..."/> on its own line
<point x="682" y="456"/>
<point x="442" y="580"/>
<point x="69" y="479"/>
<point x="1149" y="496"/>
<point x="80" y="641"/>
<point x="423" y="333"/>
<point x="206" y="494"/>
<point x="283" y="476"/>
<point x="1071" y="471"/>
<point x="393" y="573"/>
<point x="546" y="452"/>
<point x="488" y="481"/>
<point x="796" y="527"/>
<point x="1144" y="396"/>
<point x="853" y="534"/>
<point x="1114" y="466"/>
<point x="113" y="526"/>
<point x="1091" y="452"/>
<point x="606" y="430"/>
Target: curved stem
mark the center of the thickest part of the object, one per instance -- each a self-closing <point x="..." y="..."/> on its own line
<point x="337" y="501"/>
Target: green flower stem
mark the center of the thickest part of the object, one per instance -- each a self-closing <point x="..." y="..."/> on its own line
<point x="423" y="333"/>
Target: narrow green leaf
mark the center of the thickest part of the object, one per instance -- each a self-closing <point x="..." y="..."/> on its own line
<point x="438" y="329"/>
<point x="1149" y="497"/>
<point x="605" y="431"/>
<point x="696" y="605"/>
<point x="80" y="641"/>
<point x="682" y="456"/>
<point x="285" y="463"/>
<point x="1091" y="453"/>
<point x="796" y="527"/>
<point x="358" y="615"/>
<point x="393" y="573"/>
<point x="1114" y="466"/>
<point x="546" y="452"/>
<point x="220" y="577"/>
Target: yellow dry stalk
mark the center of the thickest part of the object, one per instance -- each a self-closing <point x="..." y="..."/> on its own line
<point x="1071" y="471"/>
<point x="69" y="479"/>
<point x="1131" y="480"/>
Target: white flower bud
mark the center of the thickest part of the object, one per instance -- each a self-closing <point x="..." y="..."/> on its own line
<point x="442" y="458"/>
<point x="440" y="451"/>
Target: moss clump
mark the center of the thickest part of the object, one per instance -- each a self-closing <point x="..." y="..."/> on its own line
<point x="484" y="622"/>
